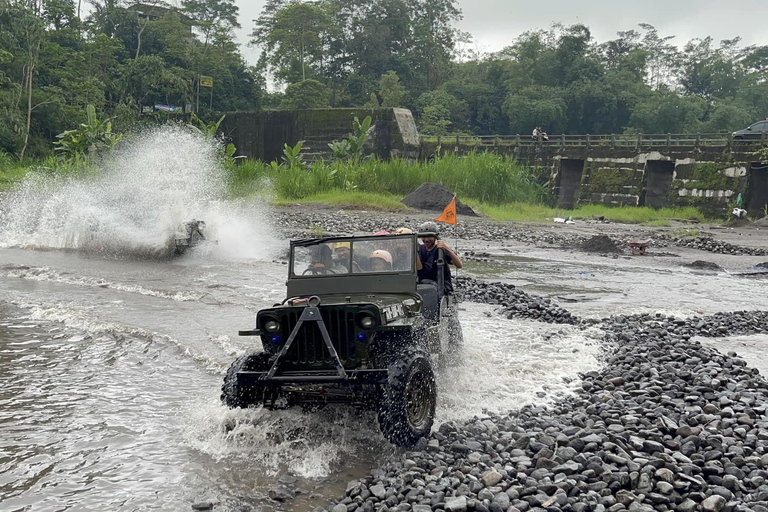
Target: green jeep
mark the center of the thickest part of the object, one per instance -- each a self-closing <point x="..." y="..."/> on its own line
<point x="355" y="328"/>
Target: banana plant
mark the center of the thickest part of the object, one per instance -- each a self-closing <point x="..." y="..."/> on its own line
<point x="292" y="156"/>
<point x="91" y="137"/>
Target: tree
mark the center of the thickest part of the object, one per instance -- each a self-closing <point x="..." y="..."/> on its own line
<point x="294" y="33"/>
<point x="305" y="94"/>
<point x="439" y="111"/>
<point x="212" y="16"/>
<point x="391" y="91"/>
<point x="434" y="40"/>
<point x="667" y="112"/>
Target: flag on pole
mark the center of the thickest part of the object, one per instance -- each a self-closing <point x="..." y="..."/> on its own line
<point x="449" y="213"/>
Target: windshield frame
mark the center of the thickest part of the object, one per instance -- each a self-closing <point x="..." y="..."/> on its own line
<point x="353" y="240"/>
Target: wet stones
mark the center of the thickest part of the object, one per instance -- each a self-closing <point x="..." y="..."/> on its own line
<point x="513" y="303"/>
<point x="667" y="424"/>
<point x="704" y="265"/>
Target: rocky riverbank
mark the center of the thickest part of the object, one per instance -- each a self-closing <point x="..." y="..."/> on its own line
<point x="667" y="425"/>
<point x="300" y="223"/>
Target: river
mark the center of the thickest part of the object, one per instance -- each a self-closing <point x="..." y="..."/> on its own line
<point x="111" y="358"/>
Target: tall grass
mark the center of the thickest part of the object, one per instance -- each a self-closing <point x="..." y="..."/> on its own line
<point x="13" y="171"/>
<point x="485" y="177"/>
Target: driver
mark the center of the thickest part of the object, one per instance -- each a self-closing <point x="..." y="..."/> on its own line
<point x="380" y="261"/>
<point x="322" y="261"/>
<point x="428" y="254"/>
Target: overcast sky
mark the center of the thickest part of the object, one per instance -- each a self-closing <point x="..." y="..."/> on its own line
<point x="495" y="23"/>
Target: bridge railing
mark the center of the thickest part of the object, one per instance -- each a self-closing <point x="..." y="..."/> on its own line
<point x="622" y="140"/>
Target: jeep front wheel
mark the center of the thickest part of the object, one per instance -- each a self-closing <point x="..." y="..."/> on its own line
<point x="236" y="396"/>
<point x="407" y="408"/>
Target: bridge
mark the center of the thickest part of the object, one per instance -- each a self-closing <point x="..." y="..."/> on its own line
<point x="707" y="170"/>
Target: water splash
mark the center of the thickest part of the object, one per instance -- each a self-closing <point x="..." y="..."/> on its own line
<point x="136" y="204"/>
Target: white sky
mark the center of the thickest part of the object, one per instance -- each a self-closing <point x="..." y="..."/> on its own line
<point x="496" y="23"/>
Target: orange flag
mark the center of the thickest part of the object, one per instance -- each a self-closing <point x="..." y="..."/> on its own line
<point x="449" y="214"/>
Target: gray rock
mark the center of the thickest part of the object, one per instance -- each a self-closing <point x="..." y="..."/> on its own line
<point x="687" y="505"/>
<point x="279" y="493"/>
<point x="491" y="478"/>
<point x="378" y="491"/>
<point x="713" y="504"/>
<point x="456" y="504"/>
<point x="502" y="500"/>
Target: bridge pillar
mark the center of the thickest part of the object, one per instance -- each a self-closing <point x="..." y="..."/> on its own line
<point x="568" y="182"/>
<point x="658" y="183"/>
<point x="757" y="189"/>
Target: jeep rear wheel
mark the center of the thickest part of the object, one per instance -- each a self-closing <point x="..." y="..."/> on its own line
<point x="407" y="409"/>
<point x="235" y="396"/>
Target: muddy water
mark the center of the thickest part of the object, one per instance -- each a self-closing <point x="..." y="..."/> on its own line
<point x="110" y="372"/>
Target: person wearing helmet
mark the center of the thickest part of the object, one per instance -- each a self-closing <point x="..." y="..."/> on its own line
<point x="341" y="257"/>
<point x="380" y="261"/>
<point x="428" y="254"/>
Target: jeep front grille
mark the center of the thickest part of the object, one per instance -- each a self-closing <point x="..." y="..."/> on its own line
<point x="309" y="347"/>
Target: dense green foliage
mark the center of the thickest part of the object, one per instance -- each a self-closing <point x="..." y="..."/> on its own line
<point x="120" y="55"/>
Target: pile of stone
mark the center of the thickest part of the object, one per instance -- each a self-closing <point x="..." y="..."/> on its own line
<point x="601" y="244"/>
<point x="667" y="425"/>
<point x="434" y="197"/>
<point x="716" y="246"/>
<point x="514" y="303"/>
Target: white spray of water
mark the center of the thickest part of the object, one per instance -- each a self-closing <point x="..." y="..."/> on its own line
<point x="136" y="205"/>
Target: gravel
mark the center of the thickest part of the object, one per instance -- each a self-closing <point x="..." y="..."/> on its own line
<point x="514" y="303"/>
<point x="668" y="424"/>
<point x="297" y="224"/>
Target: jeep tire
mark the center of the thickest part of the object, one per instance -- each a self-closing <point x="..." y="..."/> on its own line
<point x="406" y="411"/>
<point x="235" y="396"/>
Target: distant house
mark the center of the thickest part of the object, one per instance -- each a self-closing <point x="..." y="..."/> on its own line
<point x="155" y="12"/>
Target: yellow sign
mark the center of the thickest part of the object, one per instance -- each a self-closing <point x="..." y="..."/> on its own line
<point x="206" y="81"/>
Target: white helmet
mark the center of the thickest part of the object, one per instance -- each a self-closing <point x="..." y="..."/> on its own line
<point x="384" y="255"/>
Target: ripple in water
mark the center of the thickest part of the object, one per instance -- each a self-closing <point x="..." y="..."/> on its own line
<point x="136" y="204"/>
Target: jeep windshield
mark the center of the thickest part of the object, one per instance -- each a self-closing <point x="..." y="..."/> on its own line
<point x="382" y="254"/>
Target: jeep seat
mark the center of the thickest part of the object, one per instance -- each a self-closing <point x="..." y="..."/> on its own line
<point x="427" y="289"/>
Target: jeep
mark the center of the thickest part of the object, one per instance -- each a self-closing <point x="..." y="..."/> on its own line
<point x="352" y="330"/>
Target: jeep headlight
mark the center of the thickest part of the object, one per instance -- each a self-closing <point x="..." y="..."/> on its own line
<point x="271" y="326"/>
<point x="366" y="322"/>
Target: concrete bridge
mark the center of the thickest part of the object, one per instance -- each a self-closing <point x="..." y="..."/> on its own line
<point x="703" y="170"/>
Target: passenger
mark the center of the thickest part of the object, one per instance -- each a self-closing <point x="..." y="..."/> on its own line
<point x="428" y="254"/>
<point x="380" y="261"/>
<point x="403" y="251"/>
<point x="341" y="255"/>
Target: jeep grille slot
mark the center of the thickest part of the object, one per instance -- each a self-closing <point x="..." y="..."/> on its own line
<point x="309" y="346"/>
